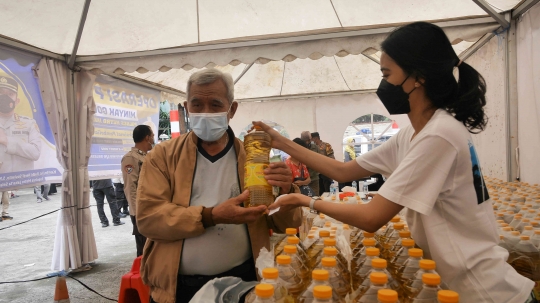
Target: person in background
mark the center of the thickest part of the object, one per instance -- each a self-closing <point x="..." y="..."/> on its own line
<point x="40" y="196"/>
<point x="190" y="200"/>
<point x="433" y="166"/>
<point x="5" y="207"/>
<point x="120" y="197"/>
<point x="298" y="169"/>
<point x="143" y="137"/>
<point x="314" y="175"/>
<point x="349" y="154"/>
<point x="101" y="189"/>
<point x="325" y="149"/>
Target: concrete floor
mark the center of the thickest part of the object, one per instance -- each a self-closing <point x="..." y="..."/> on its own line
<point x="26" y="252"/>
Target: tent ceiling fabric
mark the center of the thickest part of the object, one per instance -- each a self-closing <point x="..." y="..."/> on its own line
<point x="123" y="26"/>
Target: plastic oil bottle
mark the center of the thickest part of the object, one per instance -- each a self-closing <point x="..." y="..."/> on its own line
<point x="362" y="273"/>
<point x="264" y="293"/>
<point x="429" y="291"/>
<point x="447" y="296"/>
<point x="379" y="265"/>
<point x="296" y="262"/>
<point x="322" y="294"/>
<point x="290" y="232"/>
<point x="301" y="252"/>
<point x="257" y="145"/>
<point x="271" y="276"/>
<point x="338" y="283"/>
<point x="426" y="267"/>
<point x="377" y="281"/>
<point x="318" y="277"/>
<point x="359" y="258"/>
<point x="525" y="258"/>
<point x="316" y="249"/>
<point x="410" y="266"/>
<point x="292" y="280"/>
<point x="387" y="296"/>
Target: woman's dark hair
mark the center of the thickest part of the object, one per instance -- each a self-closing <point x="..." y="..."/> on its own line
<point x="140" y="132"/>
<point x="423" y="51"/>
<point x="300" y="142"/>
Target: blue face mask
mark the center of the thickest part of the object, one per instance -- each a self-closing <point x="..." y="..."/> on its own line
<point x="209" y="127"/>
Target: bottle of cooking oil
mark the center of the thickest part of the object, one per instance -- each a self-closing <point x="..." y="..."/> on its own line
<point x="270" y="276"/>
<point x="316" y="249"/>
<point x="377" y="281"/>
<point x="318" y="277"/>
<point x="360" y="257"/>
<point x="301" y="252"/>
<point x="331" y="243"/>
<point x="323" y="294"/>
<point x="293" y="281"/>
<point x="525" y="258"/>
<point x="410" y="267"/>
<point x="338" y="283"/>
<point x="264" y="293"/>
<point x="391" y="240"/>
<point x="447" y="296"/>
<point x="296" y="262"/>
<point x="426" y="267"/>
<point x="387" y="296"/>
<point x="379" y="265"/>
<point x="257" y="145"/>
<point x="364" y="268"/>
<point x="429" y="291"/>
<point x="290" y="232"/>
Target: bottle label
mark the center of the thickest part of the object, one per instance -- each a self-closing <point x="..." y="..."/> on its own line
<point x="254" y="175"/>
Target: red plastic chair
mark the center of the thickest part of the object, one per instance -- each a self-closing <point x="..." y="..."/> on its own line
<point x="132" y="288"/>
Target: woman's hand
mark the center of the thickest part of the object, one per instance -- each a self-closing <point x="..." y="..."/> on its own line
<point x="277" y="139"/>
<point x="290" y="201"/>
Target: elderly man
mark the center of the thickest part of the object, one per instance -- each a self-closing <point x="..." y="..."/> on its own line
<point x="314" y="175"/>
<point x="190" y="204"/>
<point x="326" y="150"/>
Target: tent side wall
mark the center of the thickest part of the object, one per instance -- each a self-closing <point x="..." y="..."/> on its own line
<point x="491" y="144"/>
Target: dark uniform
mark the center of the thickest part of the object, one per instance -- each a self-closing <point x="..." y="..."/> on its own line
<point x="324" y="181"/>
<point x="131" y="167"/>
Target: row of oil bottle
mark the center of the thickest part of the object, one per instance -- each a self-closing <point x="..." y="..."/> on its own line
<point x="516" y="206"/>
<point x="337" y="264"/>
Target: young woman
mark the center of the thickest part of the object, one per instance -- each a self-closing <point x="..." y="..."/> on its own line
<point x="431" y="166"/>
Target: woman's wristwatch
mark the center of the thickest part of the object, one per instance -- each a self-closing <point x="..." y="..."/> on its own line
<point x="312" y="204"/>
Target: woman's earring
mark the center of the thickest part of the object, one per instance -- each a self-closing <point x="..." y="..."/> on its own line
<point x="416" y="84"/>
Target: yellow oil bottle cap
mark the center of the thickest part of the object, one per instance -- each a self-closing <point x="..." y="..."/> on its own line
<point x="528" y="228"/>
<point x="324" y="233"/>
<point x="431" y="279"/>
<point x="427" y="264"/>
<point x="387" y="296"/>
<point x="290" y="231"/>
<point x="404" y="233"/>
<point x="290" y="249"/>
<point x="283" y="260"/>
<point x="369" y="242"/>
<point x="264" y="290"/>
<point x="329" y="242"/>
<point x="322" y="292"/>
<point x="395" y="219"/>
<point x="293" y="240"/>
<point x="372" y="251"/>
<point x="270" y="273"/>
<point x="537" y="232"/>
<point x="330" y="251"/>
<point x="525" y="238"/>
<point x="507" y="228"/>
<point x="515" y="233"/>
<point x="311" y="236"/>
<point x="399" y="226"/>
<point x="448" y="296"/>
<point x="320" y="275"/>
<point x="407" y="242"/>
<point x="378" y="278"/>
<point x="368" y="235"/>
<point x="379" y="263"/>
<point x="328" y="224"/>
<point x="416" y="252"/>
<point x="346" y="226"/>
<point x="328" y="262"/>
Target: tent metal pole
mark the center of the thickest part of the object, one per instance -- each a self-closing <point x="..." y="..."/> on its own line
<point x="511" y="102"/>
<point x="493" y="13"/>
<point x="74" y="151"/>
<point x="30" y="49"/>
<point x="243" y="72"/>
<point x="523" y="7"/>
<point x="471" y="50"/>
<point x="148" y="84"/>
<point x="304" y="38"/>
<point x="71" y="62"/>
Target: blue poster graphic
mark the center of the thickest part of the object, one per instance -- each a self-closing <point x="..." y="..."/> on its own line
<point x="120" y="107"/>
<point x="27" y="146"/>
<point x="479" y="186"/>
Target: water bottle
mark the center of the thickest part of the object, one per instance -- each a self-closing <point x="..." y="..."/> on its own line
<point x="366" y="189"/>
<point x="355" y="186"/>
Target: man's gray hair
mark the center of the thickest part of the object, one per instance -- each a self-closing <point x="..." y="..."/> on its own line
<point x="305" y="135"/>
<point x="211" y="75"/>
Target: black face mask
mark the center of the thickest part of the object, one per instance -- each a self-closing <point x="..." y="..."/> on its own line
<point x="394" y="98"/>
<point x="7" y="105"/>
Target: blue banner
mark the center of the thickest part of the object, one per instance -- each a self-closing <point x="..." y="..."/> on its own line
<point x="27" y="146"/>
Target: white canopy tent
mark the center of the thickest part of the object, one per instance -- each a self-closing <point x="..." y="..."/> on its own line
<point x="307" y="65"/>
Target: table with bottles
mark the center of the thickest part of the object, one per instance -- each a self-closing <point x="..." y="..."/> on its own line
<point x="334" y="262"/>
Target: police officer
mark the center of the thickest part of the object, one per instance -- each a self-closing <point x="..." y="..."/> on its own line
<point x="20" y="142"/>
<point x="143" y="136"/>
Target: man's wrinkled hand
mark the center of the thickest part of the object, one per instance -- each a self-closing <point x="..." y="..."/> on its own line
<point x="279" y="174"/>
<point x="232" y="211"/>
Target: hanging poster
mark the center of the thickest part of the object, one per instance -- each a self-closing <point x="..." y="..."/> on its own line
<point x="27" y="146"/>
<point x="120" y="107"/>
